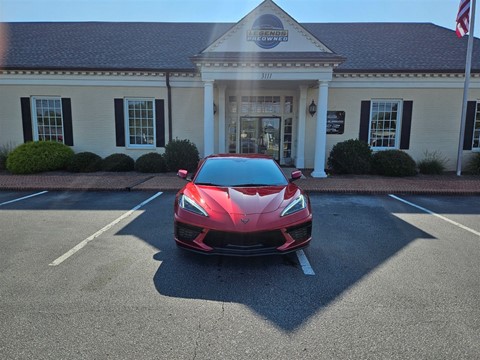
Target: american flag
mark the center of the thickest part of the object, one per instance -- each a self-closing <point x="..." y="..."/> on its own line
<point x="463" y="18"/>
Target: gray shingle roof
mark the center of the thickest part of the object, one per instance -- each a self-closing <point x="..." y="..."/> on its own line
<point x="107" y="46"/>
<point x="396" y="46"/>
<point x="377" y="47"/>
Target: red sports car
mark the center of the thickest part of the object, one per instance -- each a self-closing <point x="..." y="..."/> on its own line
<point x="241" y="205"/>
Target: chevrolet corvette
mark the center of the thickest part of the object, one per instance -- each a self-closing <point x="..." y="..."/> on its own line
<point x="241" y="205"/>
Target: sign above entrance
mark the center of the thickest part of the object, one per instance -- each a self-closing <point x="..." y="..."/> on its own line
<point x="267" y="32"/>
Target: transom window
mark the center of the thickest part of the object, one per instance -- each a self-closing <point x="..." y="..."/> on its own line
<point x="476" y="129"/>
<point x="140" y="122"/>
<point x="47" y="117"/>
<point x="260" y="104"/>
<point x="384" y="123"/>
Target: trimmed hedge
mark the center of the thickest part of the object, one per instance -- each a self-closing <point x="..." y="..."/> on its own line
<point x="393" y="163"/>
<point x="350" y="157"/>
<point x="118" y="162"/>
<point x="39" y="156"/>
<point x="151" y="163"/>
<point x="181" y="154"/>
<point x="85" y="162"/>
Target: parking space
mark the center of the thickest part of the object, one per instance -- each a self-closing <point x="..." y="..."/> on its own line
<point x="389" y="281"/>
<point x="463" y="210"/>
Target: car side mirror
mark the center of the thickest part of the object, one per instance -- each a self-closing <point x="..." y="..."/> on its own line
<point x="182" y="174"/>
<point x="297" y="174"/>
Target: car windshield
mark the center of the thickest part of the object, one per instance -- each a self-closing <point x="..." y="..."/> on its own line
<point x="238" y="172"/>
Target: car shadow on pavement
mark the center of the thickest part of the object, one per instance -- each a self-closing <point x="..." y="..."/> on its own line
<point x="275" y="287"/>
<point x="353" y="238"/>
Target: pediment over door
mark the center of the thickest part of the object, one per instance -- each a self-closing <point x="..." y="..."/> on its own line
<point x="267" y="35"/>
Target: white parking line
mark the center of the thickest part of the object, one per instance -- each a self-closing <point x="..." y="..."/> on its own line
<point x="437" y="215"/>
<point x="23" y="198"/>
<point x="306" y="267"/>
<point x="82" y="244"/>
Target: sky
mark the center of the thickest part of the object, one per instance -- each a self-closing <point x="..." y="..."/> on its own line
<point x="439" y="12"/>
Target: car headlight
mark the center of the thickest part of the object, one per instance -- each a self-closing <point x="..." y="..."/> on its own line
<point x="298" y="204"/>
<point x="188" y="204"/>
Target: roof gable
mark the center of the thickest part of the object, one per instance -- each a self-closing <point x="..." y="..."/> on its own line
<point x="267" y="28"/>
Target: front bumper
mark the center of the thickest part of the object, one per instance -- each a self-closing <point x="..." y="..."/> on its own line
<point x="215" y="242"/>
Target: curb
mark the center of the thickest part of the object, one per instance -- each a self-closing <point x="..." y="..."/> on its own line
<point x="61" y="181"/>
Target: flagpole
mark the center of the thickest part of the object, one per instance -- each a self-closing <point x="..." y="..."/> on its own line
<point x="466" y="86"/>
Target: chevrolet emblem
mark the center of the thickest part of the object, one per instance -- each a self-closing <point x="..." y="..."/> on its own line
<point x="246" y="220"/>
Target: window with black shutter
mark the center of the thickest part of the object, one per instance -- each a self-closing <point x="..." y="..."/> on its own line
<point x="47" y="118"/>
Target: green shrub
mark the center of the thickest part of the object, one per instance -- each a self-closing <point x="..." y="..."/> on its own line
<point x="151" y="163"/>
<point x="432" y="164"/>
<point x="350" y="157"/>
<point x="85" y="162"/>
<point x="473" y="165"/>
<point x="118" y="162"/>
<point x="393" y="163"/>
<point x="38" y="156"/>
<point x="5" y="150"/>
<point x="181" y="154"/>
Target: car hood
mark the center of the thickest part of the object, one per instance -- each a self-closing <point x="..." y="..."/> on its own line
<point x="244" y="201"/>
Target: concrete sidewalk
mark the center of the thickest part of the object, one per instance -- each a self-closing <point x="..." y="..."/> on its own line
<point x="448" y="184"/>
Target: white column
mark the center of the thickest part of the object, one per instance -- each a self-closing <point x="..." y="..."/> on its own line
<point x="321" y="132"/>
<point x="302" y="113"/>
<point x="221" y="119"/>
<point x="208" y="122"/>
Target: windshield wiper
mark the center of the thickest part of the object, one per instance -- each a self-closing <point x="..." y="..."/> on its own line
<point x="206" y="184"/>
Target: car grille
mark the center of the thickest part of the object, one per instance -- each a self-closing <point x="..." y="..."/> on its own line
<point x="186" y="232"/>
<point x="244" y="241"/>
<point x="301" y="232"/>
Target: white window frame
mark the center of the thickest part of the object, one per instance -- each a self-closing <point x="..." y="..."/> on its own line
<point x="33" y="106"/>
<point x="398" y="127"/>
<point x="127" y="124"/>
<point x="476" y="129"/>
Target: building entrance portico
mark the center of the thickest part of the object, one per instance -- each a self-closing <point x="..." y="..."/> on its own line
<point x="266" y="50"/>
<point x="244" y="120"/>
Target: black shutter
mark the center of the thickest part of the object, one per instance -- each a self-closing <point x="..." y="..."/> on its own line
<point x="119" y="122"/>
<point x="364" y="121"/>
<point x="469" y="125"/>
<point x="67" y="121"/>
<point x="160" y="122"/>
<point x="406" y="125"/>
<point x="26" y="119"/>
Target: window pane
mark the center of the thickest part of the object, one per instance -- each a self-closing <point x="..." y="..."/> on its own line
<point x="383" y="124"/>
<point x="232" y="104"/>
<point x="141" y="122"/>
<point x="476" y="129"/>
<point x="49" y="124"/>
<point x="288" y="104"/>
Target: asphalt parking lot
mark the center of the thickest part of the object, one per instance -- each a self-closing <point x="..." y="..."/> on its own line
<point x="96" y="275"/>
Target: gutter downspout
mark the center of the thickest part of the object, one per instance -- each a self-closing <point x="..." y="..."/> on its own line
<point x="169" y="106"/>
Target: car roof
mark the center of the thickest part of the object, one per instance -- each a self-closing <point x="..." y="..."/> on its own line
<point x="245" y="156"/>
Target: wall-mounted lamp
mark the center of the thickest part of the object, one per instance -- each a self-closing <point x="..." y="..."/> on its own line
<point x="214" y="108"/>
<point x="312" y="109"/>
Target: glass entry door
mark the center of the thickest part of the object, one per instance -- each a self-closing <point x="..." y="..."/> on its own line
<point x="260" y="135"/>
